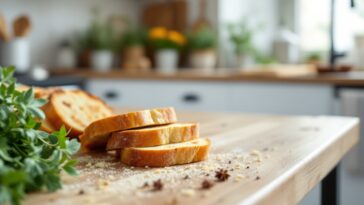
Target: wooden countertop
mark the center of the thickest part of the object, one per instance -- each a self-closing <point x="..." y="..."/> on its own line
<point x="270" y="159"/>
<point x="224" y="75"/>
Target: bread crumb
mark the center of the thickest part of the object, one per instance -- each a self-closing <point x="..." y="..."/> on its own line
<point x="102" y="183"/>
<point x="157" y="171"/>
<point x="188" y="192"/>
<point x="257" y="154"/>
<point x="100" y="165"/>
<point x="239" y="177"/>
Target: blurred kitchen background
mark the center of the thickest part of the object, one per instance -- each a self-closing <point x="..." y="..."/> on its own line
<point x="296" y="57"/>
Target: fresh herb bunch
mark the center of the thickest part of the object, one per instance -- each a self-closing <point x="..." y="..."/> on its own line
<point x="98" y="36"/>
<point x="30" y="159"/>
<point x="134" y="37"/>
<point x="202" y="39"/>
<point x="241" y="36"/>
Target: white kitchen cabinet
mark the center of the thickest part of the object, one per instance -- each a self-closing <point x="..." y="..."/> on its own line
<point x="281" y="98"/>
<point x="274" y="98"/>
<point x="197" y="96"/>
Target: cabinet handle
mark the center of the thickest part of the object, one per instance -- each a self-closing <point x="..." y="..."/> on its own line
<point x="191" y="98"/>
<point x="111" y="95"/>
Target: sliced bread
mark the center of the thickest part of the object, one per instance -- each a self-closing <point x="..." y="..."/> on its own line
<point x="98" y="132"/>
<point x="75" y="109"/>
<point x="166" y="155"/>
<point x="153" y="136"/>
<point x="44" y="93"/>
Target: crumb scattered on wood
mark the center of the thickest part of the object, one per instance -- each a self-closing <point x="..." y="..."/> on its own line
<point x="145" y="185"/>
<point x="188" y="192"/>
<point x="102" y="183"/>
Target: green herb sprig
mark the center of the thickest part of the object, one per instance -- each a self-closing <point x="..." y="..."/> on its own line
<point x="30" y="159"/>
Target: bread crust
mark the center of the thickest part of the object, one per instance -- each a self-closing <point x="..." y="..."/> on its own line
<point x="47" y="126"/>
<point x="161" y="157"/>
<point x="155" y="136"/>
<point x="98" y="132"/>
<point x="58" y="118"/>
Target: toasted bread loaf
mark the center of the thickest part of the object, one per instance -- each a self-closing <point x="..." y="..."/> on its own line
<point x="44" y="93"/>
<point x="75" y="109"/>
<point x="47" y="126"/>
<point x="166" y="155"/>
<point x="153" y="136"/>
<point x="98" y="132"/>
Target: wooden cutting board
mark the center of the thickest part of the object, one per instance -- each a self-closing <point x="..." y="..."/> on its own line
<point x="270" y="159"/>
<point x="281" y="71"/>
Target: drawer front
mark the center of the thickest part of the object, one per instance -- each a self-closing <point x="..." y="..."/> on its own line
<point x="147" y="94"/>
<point x="296" y="99"/>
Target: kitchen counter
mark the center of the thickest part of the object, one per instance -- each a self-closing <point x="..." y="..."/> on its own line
<point x="270" y="160"/>
<point x="351" y="79"/>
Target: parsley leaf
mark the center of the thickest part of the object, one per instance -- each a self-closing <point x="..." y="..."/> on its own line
<point x="30" y="159"/>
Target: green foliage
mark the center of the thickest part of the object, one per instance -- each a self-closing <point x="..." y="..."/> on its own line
<point x="134" y="37"/>
<point x="241" y="37"/>
<point x="204" y="38"/>
<point x="313" y="56"/>
<point x="30" y="159"/>
<point x="160" y="44"/>
<point x="98" y="36"/>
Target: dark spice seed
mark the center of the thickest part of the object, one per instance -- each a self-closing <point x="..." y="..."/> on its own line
<point x="206" y="184"/>
<point x="157" y="185"/>
<point x="222" y="175"/>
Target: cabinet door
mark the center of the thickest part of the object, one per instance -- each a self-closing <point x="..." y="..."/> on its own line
<point x="297" y="99"/>
<point x="198" y="96"/>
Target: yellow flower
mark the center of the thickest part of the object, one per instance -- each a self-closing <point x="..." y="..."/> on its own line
<point x="176" y="37"/>
<point x="158" y="33"/>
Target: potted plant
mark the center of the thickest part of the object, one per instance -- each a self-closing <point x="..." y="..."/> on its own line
<point x="241" y="37"/>
<point x="314" y="58"/>
<point x="96" y="45"/>
<point x="133" y="43"/>
<point x="201" y="45"/>
<point x="167" y="44"/>
<point x="102" y="45"/>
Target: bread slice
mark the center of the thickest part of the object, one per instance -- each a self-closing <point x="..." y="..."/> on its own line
<point x="98" y="132"/>
<point x="75" y="109"/>
<point x="40" y="92"/>
<point x="166" y="155"/>
<point x="153" y="136"/>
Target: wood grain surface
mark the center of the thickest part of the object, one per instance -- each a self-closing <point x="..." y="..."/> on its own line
<point x="221" y="75"/>
<point x="270" y="160"/>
